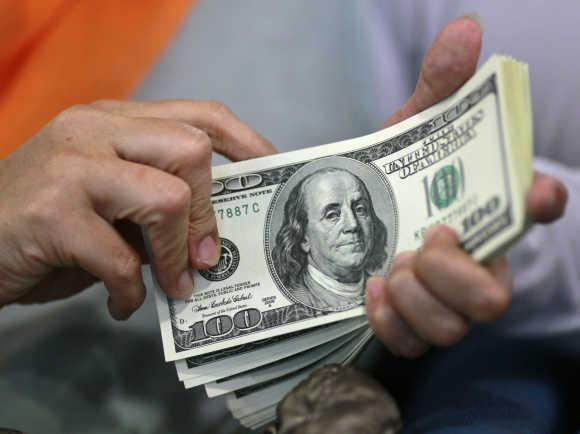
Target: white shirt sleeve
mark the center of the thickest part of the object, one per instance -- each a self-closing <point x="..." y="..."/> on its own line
<point x="546" y="268"/>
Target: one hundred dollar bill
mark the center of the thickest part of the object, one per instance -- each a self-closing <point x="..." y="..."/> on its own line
<point x="301" y="232"/>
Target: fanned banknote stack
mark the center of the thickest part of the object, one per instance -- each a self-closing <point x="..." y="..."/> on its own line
<point x="302" y="231"/>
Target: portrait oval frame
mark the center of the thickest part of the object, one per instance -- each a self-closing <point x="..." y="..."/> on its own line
<point x="381" y="196"/>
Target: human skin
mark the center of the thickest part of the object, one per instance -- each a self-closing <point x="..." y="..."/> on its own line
<point x="72" y="196"/>
<point x="339" y="233"/>
<point x="434" y="295"/>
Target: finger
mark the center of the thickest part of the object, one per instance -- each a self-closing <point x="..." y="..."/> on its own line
<point x="229" y="135"/>
<point x="546" y="199"/>
<point x="501" y="272"/>
<point x="433" y="322"/>
<point x="133" y="234"/>
<point x="440" y="236"/>
<point x="402" y="260"/>
<point x="155" y="199"/>
<point x="104" y="254"/>
<point x="386" y="323"/>
<point x="59" y="283"/>
<point x="449" y="62"/>
<point x="186" y="152"/>
<point x="462" y="284"/>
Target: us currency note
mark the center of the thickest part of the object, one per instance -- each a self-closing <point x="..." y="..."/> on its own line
<point x="245" y="402"/>
<point x="302" y="231"/>
<point x="252" y="411"/>
<point x="206" y="368"/>
<point x="279" y="367"/>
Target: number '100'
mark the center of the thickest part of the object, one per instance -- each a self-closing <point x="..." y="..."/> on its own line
<point x="223" y="324"/>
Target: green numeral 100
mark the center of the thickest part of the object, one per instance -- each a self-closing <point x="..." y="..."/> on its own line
<point x="445" y="187"/>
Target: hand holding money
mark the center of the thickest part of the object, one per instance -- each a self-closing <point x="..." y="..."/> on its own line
<point x="417" y="306"/>
<point x="65" y="192"/>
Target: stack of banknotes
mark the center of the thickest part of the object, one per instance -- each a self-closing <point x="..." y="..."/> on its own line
<point x="302" y="231"/>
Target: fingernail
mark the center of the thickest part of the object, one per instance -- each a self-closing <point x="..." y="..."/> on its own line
<point x="374" y="288"/>
<point x="207" y="251"/>
<point x="185" y="284"/>
<point x="475" y="17"/>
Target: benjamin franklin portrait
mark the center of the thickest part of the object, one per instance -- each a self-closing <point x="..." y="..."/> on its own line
<point x="330" y="241"/>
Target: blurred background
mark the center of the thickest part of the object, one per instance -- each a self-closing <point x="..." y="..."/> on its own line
<point x="300" y="72"/>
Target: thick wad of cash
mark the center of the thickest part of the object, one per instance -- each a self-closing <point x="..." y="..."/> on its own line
<point x="302" y="231"/>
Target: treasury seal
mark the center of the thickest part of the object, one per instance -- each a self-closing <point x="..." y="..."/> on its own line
<point x="227" y="264"/>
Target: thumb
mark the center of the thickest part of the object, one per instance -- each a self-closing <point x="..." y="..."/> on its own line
<point x="546" y="199"/>
<point x="449" y="62"/>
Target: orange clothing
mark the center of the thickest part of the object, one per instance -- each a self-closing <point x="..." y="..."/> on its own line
<point x="57" y="53"/>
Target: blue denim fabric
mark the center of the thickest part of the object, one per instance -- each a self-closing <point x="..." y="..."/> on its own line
<point x="485" y="385"/>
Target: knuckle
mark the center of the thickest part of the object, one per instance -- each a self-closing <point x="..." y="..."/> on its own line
<point x="66" y="130"/>
<point x="437" y="263"/>
<point x="221" y="116"/>
<point x="446" y="234"/>
<point x="73" y="115"/>
<point x="203" y="147"/>
<point x="429" y="259"/>
<point x="393" y="287"/>
<point x="490" y="304"/>
<point x="449" y="332"/>
<point x="396" y="284"/>
<point x="219" y="109"/>
<point x="32" y="253"/>
<point x="175" y="198"/>
<point x="202" y="220"/>
<point x="48" y="208"/>
<point x="196" y="146"/>
<point x="105" y="104"/>
<point x="128" y="267"/>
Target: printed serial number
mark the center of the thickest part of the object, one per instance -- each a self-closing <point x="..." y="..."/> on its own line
<point x="238" y="211"/>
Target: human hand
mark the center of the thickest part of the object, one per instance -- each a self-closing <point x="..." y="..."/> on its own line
<point x="71" y="199"/>
<point x="431" y="297"/>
